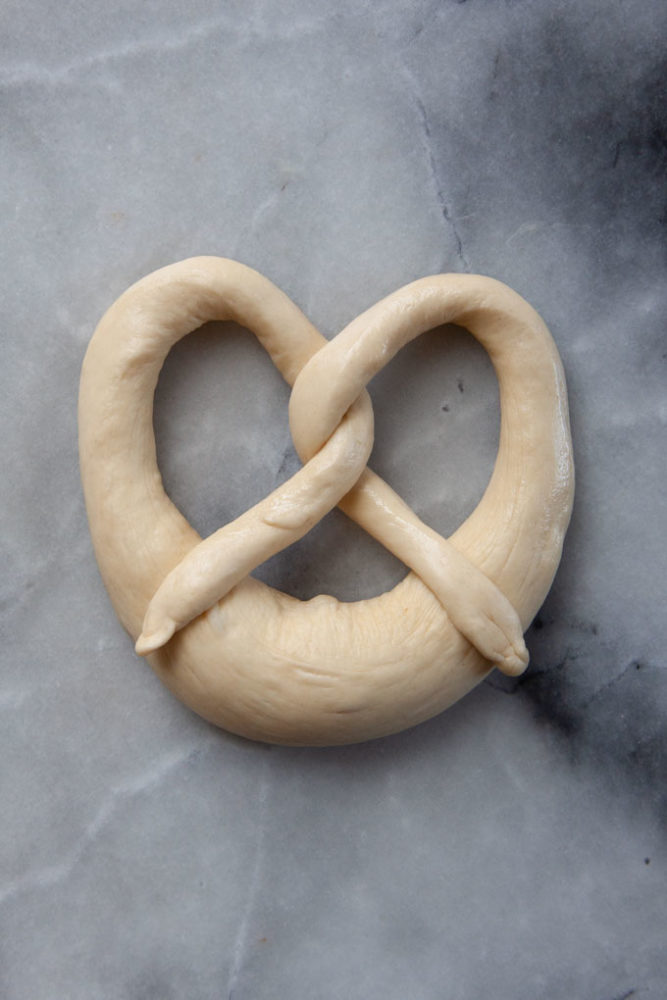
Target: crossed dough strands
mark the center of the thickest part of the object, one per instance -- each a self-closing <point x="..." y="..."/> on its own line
<point x="261" y="663"/>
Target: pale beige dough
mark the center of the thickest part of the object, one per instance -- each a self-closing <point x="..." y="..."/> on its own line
<point x="250" y="658"/>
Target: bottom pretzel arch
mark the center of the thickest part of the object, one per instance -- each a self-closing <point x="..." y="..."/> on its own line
<point x="261" y="663"/>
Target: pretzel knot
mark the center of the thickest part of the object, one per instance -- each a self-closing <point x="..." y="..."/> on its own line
<point x="251" y="658"/>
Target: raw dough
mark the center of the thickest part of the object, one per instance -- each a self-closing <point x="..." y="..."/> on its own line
<point x="250" y="658"/>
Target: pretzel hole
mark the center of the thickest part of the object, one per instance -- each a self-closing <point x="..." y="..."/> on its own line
<point x="437" y="424"/>
<point x="223" y="443"/>
<point x="221" y="426"/>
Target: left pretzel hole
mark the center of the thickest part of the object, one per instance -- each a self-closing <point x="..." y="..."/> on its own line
<point x="220" y="419"/>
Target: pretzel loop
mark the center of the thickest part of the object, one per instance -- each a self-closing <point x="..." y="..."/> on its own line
<point x="213" y="632"/>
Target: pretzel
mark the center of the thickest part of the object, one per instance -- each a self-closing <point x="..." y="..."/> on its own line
<point x="250" y="658"/>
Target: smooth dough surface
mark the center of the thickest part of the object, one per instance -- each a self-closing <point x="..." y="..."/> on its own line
<point x="259" y="662"/>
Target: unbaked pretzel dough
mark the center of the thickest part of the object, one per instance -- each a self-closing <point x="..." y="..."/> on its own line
<point x="259" y="662"/>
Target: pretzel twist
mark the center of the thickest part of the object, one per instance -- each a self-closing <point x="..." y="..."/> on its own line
<point x="250" y="658"/>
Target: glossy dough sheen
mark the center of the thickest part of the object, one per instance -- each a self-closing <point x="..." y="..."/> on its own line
<point x="256" y="661"/>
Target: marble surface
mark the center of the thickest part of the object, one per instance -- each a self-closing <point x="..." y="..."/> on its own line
<point x="512" y="848"/>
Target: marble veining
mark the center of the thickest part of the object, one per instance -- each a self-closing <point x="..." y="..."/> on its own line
<point x="514" y="847"/>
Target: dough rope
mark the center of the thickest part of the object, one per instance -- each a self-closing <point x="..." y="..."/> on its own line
<point x="251" y="658"/>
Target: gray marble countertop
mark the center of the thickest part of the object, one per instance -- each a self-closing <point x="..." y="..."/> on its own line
<point x="512" y="848"/>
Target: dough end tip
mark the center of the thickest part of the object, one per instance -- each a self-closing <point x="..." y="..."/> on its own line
<point x="152" y="641"/>
<point x="515" y="661"/>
